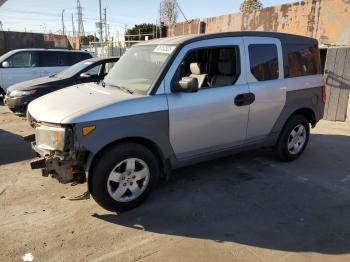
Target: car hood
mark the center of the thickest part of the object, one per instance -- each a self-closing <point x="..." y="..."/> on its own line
<point x="66" y="105"/>
<point x="34" y="84"/>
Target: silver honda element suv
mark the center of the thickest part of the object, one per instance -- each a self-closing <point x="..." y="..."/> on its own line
<point x="177" y="101"/>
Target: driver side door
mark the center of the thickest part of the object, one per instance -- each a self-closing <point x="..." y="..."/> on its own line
<point x="209" y="120"/>
<point x="23" y="67"/>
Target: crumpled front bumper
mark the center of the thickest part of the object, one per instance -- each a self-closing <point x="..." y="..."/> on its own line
<point x="59" y="166"/>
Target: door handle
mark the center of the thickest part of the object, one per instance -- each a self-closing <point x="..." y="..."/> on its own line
<point x="244" y="99"/>
<point x="240" y="100"/>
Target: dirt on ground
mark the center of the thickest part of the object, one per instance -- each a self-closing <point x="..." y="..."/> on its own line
<point x="247" y="207"/>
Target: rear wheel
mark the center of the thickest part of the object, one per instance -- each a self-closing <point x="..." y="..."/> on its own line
<point x="294" y="138"/>
<point x="124" y="177"/>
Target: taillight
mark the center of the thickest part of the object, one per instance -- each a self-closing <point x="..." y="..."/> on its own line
<point x="324" y="95"/>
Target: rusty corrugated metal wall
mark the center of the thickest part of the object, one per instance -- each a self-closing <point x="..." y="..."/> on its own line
<point x="183" y="28"/>
<point x="326" y="20"/>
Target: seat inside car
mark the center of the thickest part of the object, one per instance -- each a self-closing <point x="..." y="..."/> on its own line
<point x="225" y="69"/>
<point x="197" y="72"/>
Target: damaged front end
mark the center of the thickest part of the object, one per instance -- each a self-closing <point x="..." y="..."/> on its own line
<point x="58" y="154"/>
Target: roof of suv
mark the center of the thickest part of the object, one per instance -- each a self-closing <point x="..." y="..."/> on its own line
<point x="183" y="39"/>
<point x="44" y="49"/>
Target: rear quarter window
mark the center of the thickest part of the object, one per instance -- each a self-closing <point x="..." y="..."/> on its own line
<point x="263" y="61"/>
<point x="303" y="60"/>
<point x="77" y="57"/>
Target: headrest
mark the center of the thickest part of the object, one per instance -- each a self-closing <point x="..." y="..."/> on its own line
<point x="226" y="68"/>
<point x="196" y="68"/>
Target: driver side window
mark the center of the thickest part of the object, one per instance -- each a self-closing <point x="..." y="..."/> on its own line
<point x="94" y="71"/>
<point x="212" y="67"/>
<point x="23" y="59"/>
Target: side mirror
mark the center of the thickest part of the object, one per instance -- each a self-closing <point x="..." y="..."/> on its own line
<point x="85" y="76"/>
<point x="5" y="64"/>
<point x="187" y="85"/>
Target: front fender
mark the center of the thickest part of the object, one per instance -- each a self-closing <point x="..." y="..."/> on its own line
<point x="153" y="127"/>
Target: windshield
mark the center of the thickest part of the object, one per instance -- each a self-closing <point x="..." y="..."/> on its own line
<point x="73" y="70"/>
<point x="5" y="56"/>
<point x="139" y="67"/>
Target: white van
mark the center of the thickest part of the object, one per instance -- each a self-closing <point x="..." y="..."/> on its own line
<point x="26" y="64"/>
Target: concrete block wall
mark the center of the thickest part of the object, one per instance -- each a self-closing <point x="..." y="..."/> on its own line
<point x="17" y="40"/>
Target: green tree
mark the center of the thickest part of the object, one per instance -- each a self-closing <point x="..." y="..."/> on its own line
<point x="143" y="29"/>
<point x="85" y="40"/>
<point x="249" y="6"/>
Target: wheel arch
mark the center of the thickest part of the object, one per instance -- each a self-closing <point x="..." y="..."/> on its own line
<point x="149" y="144"/>
<point x="306" y="112"/>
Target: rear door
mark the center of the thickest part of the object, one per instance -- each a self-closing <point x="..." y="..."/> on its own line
<point x="265" y="76"/>
<point x="208" y="120"/>
<point x="51" y="62"/>
<point x="23" y="67"/>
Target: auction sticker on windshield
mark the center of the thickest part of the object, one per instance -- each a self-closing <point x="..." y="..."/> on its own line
<point x="166" y="49"/>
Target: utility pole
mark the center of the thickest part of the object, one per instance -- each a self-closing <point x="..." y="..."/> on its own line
<point x="1" y="29"/>
<point x="63" y="22"/>
<point x="81" y="31"/>
<point x="73" y="27"/>
<point x="100" y="23"/>
<point x="105" y="23"/>
<point x="160" y="20"/>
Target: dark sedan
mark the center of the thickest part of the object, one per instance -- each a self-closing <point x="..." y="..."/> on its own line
<point x="20" y="95"/>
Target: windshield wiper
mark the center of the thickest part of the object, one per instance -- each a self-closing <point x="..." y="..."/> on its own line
<point x="123" y="89"/>
<point x="52" y="75"/>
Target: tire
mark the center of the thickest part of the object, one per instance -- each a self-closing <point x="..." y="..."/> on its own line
<point x="107" y="188"/>
<point x="290" y="145"/>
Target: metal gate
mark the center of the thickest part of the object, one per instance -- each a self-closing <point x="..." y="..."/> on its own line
<point x="337" y="78"/>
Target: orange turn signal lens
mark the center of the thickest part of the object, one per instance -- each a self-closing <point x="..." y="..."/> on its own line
<point x="88" y="129"/>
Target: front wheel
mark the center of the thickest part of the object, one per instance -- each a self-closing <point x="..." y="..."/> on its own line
<point x="124" y="176"/>
<point x="294" y="138"/>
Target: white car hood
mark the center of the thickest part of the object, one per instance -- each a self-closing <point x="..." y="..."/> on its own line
<point x="64" y="105"/>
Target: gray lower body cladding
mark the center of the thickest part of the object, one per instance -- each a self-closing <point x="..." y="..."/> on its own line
<point x="152" y="128"/>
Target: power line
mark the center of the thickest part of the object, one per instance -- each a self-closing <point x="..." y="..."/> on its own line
<point x="178" y="6"/>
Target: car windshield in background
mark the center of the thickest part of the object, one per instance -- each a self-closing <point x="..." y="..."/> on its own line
<point x="5" y="56"/>
<point x="139" y="67"/>
<point x="73" y="70"/>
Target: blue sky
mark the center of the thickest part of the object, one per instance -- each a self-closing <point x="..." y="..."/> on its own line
<point x="45" y="15"/>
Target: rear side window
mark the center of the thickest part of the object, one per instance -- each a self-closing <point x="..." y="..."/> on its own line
<point x="77" y="57"/>
<point x="60" y="58"/>
<point x="303" y="60"/>
<point x="263" y="61"/>
<point x="50" y="59"/>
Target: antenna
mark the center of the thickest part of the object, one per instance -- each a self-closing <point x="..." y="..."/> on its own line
<point x="81" y="31"/>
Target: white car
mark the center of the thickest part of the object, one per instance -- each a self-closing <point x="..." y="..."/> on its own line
<point x="26" y="64"/>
